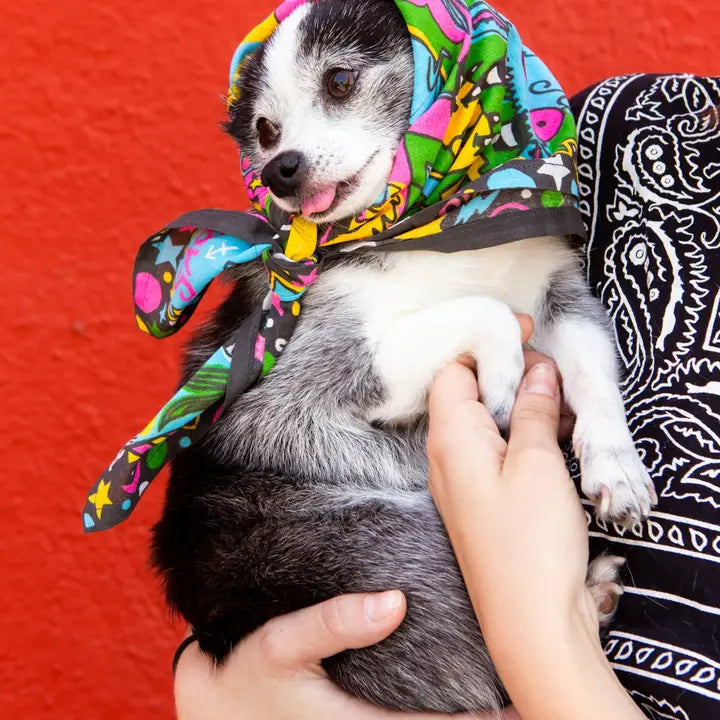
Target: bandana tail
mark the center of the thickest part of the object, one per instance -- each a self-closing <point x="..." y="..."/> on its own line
<point x="258" y="344"/>
<point x="180" y="423"/>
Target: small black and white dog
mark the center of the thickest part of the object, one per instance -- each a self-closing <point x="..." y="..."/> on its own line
<point x="314" y="483"/>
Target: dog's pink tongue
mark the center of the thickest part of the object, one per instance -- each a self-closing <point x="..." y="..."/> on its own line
<point x="319" y="202"/>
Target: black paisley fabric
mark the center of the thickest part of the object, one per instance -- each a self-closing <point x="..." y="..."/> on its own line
<point x="649" y="173"/>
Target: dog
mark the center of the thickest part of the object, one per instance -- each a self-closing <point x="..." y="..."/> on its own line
<point x="314" y="482"/>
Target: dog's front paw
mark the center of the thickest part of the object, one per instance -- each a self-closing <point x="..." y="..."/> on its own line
<point x="614" y="478"/>
<point x="500" y="370"/>
<point x="499" y="386"/>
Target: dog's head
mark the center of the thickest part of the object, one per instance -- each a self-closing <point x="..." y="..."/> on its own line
<point x="323" y="106"/>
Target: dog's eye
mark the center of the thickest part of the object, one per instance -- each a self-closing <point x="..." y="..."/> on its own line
<point x="268" y="133"/>
<point x="340" y="82"/>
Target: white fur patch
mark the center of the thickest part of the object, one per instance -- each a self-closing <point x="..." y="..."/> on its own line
<point x="427" y="308"/>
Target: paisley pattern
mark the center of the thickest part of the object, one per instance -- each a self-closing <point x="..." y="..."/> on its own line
<point x="659" y="709"/>
<point x="649" y="173"/>
<point x="489" y="157"/>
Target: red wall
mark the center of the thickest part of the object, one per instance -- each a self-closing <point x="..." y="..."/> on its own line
<point x="108" y="128"/>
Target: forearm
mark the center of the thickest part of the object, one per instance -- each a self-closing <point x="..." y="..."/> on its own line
<point x="558" y="673"/>
<point x="548" y="656"/>
<point x="520" y="537"/>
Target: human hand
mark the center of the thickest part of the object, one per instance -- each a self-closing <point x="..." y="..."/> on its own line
<point x="515" y="497"/>
<point x="519" y="533"/>
<point x="275" y="673"/>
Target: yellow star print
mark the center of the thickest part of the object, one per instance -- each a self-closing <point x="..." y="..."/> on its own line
<point x="100" y="498"/>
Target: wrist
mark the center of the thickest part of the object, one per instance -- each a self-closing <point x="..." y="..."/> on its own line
<point x="536" y="615"/>
<point x="556" y="670"/>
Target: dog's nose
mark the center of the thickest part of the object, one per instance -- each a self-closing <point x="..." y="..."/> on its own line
<point x="284" y="173"/>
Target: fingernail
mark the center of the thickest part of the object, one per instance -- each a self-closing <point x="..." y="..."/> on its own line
<point x="383" y="606"/>
<point x="542" y="380"/>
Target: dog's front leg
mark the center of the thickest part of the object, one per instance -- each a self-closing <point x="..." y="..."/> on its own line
<point x="412" y="348"/>
<point x="572" y="328"/>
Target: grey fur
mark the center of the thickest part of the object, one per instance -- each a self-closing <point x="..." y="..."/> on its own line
<point x="568" y="295"/>
<point x="345" y="508"/>
<point x="327" y="503"/>
<point x="339" y="539"/>
<point x="337" y="506"/>
<point x="321" y="431"/>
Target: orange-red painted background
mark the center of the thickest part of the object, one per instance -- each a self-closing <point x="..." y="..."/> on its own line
<point x="109" y="117"/>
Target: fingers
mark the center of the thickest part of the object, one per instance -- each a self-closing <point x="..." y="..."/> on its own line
<point x="510" y="713"/>
<point x="456" y="384"/>
<point x="194" y="684"/>
<point x="303" y="638"/>
<point x="533" y="357"/>
<point x="536" y="415"/>
<point x="567" y="417"/>
<point x="459" y="424"/>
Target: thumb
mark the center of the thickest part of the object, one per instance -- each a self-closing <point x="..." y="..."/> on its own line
<point x="536" y="414"/>
<point x="305" y="637"/>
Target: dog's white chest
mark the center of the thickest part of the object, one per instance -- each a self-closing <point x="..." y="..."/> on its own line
<point x="516" y="274"/>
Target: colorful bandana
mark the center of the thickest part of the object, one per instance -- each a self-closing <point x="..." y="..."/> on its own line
<point x="489" y="158"/>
